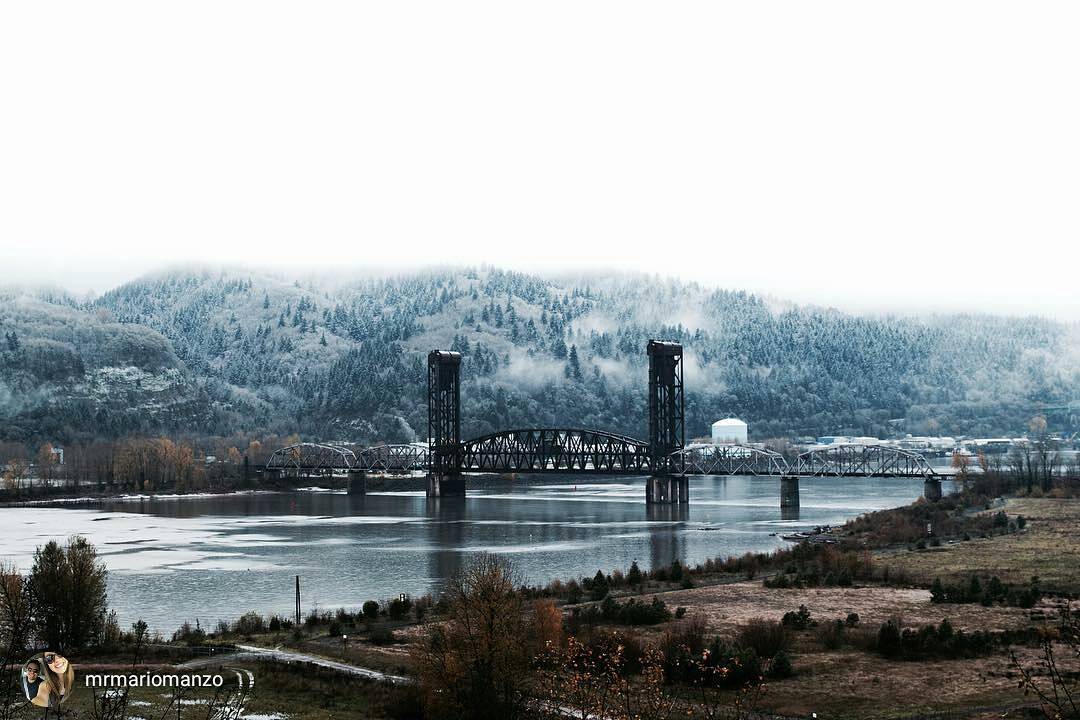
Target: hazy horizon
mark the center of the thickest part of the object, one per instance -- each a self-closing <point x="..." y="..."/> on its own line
<point x="91" y="284"/>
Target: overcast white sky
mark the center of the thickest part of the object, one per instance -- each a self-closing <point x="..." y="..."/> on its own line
<point x="865" y="154"/>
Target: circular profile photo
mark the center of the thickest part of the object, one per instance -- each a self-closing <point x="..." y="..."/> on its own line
<point x="48" y="679"/>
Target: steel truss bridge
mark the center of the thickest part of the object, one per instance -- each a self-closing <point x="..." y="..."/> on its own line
<point x="304" y="459"/>
<point x="327" y="459"/>
<point x="556" y="450"/>
<point x="862" y="461"/>
<point x="664" y="454"/>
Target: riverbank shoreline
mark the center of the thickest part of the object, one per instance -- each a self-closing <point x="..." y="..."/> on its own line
<point x="374" y="483"/>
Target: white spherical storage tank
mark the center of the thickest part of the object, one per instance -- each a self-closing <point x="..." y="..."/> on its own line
<point x="728" y="430"/>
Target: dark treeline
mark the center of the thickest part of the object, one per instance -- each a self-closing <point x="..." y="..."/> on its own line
<point x="158" y="464"/>
<point x="217" y="353"/>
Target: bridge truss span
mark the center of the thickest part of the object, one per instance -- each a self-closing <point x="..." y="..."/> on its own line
<point x="554" y="450"/>
<point x="312" y="459"/>
<point x="393" y="458"/>
<point x="731" y="459"/>
<point x="856" y="460"/>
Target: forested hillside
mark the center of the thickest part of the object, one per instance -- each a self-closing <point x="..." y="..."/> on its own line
<point x="220" y="352"/>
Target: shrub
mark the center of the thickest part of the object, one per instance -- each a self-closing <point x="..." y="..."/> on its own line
<point x="192" y="636"/>
<point x="689" y="635"/>
<point x="383" y="636"/>
<point x="607" y="644"/>
<point x="249" y="623"/>
<point x="888" y="639"/>
<point x="741" y="666"/>
<point x="781" y="667"/>
<point x="598" y="586"/>
<point x="831" y="635"/>
<point x="941" y="641"/>
<point x="994" y="591"/>
<point x="399" y="608"/>
<point x="631" y="612"/>
<point x="421" y="607"/>
<point x="573" y="592"/>
<point x="765" y="637"/>
<point x="797" y="619"/>
<point x="680" y="612"/>
<point x="852" y="620"/>
<point x="780" y="580"/>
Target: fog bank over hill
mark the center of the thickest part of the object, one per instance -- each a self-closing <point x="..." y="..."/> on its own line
<point x="332" y="356"/>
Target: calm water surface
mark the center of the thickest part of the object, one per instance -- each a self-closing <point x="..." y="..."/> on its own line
<point x="216" y="557"/>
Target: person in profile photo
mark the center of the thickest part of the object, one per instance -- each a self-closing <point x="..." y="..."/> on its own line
<point x="58" y="679"/>
<point x="32" y="679"/>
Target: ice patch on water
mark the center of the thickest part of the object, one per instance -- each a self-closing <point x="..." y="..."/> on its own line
<point x="527" y="548"/>
<point x="628" y="499"/>
<point x="135" y="542"/>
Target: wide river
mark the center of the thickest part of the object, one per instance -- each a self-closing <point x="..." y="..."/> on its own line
<point x="172" y="559"/>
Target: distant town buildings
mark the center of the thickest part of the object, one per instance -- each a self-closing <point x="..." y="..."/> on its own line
<point x="926" y="444"/>
<point x="729" y="430"/>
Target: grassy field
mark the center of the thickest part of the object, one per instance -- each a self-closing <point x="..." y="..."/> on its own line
<point x="1049" y="547"/>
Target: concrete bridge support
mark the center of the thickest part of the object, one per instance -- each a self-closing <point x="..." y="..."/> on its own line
<point x="931" y="489"/>
<point x="789" y="491"/>
<point x="667" y="490"/>
<point x="445" y="485"/>
<point x="357" y="482"/>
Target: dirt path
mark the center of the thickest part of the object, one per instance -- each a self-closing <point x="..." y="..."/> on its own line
<point x="253" y="652"/>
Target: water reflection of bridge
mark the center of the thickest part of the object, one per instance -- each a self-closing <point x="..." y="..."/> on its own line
<point x="664" y="458"/>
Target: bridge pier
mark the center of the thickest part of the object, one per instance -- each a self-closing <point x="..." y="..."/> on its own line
<point x="445" y="485"/>
<point x="357" y="482"/>
<point x="789" y="491"/>
<point x="667" y="490"/>
<point x="931" y="489"/>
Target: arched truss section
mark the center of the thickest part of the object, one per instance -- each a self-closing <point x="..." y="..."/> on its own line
<point x="393" y="458"/>
<point x="555" y="450"/>
<point x="857" y="460"/>
<point x="731" y="459"/>
<point x="312" y="458"/>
